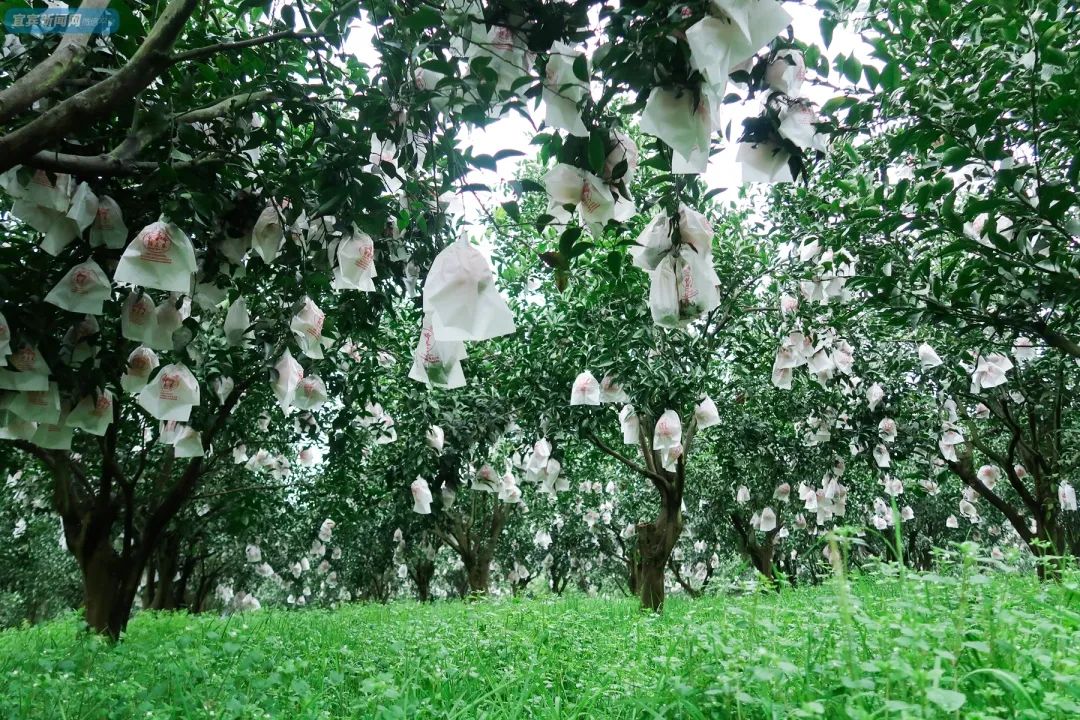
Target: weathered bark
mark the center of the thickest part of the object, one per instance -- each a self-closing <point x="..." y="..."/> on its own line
<point x="655" y="541"/>
<point x="95" y="510"/>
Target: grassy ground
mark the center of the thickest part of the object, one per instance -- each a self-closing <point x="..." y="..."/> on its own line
<point x="968" y="646"/>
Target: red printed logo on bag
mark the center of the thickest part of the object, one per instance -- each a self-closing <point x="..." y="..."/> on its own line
<point x="317" y="319"/>
<point x="39" y="398"/>
<point x="504" y="39"/>
<point x="156" y="244"/>
<point x="139" y="364"/>
<point x="24" y="359"/>
<point x="139" y="312"/>
<point x="169" y="385"/>
<point x="431" y="355"/>
<point x="102" y="405"/>
<point x="367" y="254"/>
<point x="689" y="291"/>
<point x="81" y="281"/>
<point x="42" y="179"/>
<point x="104" y="219"/>
<point x="587" y="198"/>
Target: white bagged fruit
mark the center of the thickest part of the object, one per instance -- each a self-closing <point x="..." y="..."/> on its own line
<point x="161" y="257"/>
<point x="667" y="438"/>
<point x="93" y="414"/>
<point x="28" y="371"/>
<point x="288" y="374"/>
<point x="188" y="443"/>
<point x="172" y="393"/>
<point x="739" y="28"/>
<point x="53" y="436"/>
<point x="653" y="244"/>
<point x="706" y="414"/>
<point x="310" y="393"/>
<point x="763" y="163"/>
<point x="38" y="406"/>
<point x="461" y="296"/>
<point x="267" y="236"/>
<point x="137" y="316"/>
<point x="83" y="289"/>
<point x="307" y="326"/>
<point x="588" y="193"/>
<point x="237" y="322"/>
<point x="108" y="228"/>
<point x="786" y="73"/>
<point x="421" y="496"/>
<point x="630" y="425"/>
<point x="167" y="320"/>
<point x="140" y="363"/>
<point x="684" y="122"/>
<point x="435" y="362"/>
<point x="564" y="91"/>
<point x="356" y="263"/>
<point x="84" y="207"/>
<point x="586" y="390"/>
<point x="611" y="391"/>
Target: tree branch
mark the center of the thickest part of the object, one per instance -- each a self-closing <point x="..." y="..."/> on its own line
<point x="50" y="72"/>
<point x="657" y="479"/>
<point x="216" y="48"/>
<point x="143" y="68"/>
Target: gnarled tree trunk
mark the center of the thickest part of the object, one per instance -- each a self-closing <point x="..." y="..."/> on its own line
<point x="655" y="541"/>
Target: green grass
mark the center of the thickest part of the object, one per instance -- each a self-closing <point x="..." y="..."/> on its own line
<point x="970" y="646"/>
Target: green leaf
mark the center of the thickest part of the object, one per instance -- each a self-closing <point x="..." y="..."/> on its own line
<point x="947" y="700"/>
<point x="422" y="19"/>
<point x="512" y="210"/>
<point x="597" y="151"/>
<point x="827" y="25"/>
<point x="567" y="240"/>
<point x="581" y="68"/>
<point x="852" y="68"/>
<point x="528" y="185"/>
<point x="503" y="154"/>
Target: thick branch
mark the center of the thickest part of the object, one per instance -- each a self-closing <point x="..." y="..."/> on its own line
<point x="50" y="72"/>
<point x="658" y="480"/>
<point x="965" y="470"/>
<point x="120" y="161"/>
<point x="145" y="65"/>
<point x="216" y="48"/>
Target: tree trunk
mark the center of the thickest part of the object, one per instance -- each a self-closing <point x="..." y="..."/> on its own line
<point x="478" y="570"/>
<point x="422" y="575"/>
<point x="164" y="595"/>
<point x="633" y="570"/>
<point x="762" y="558"/>
<point x="655" y="542"/>
<point x="108" y="590"/>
